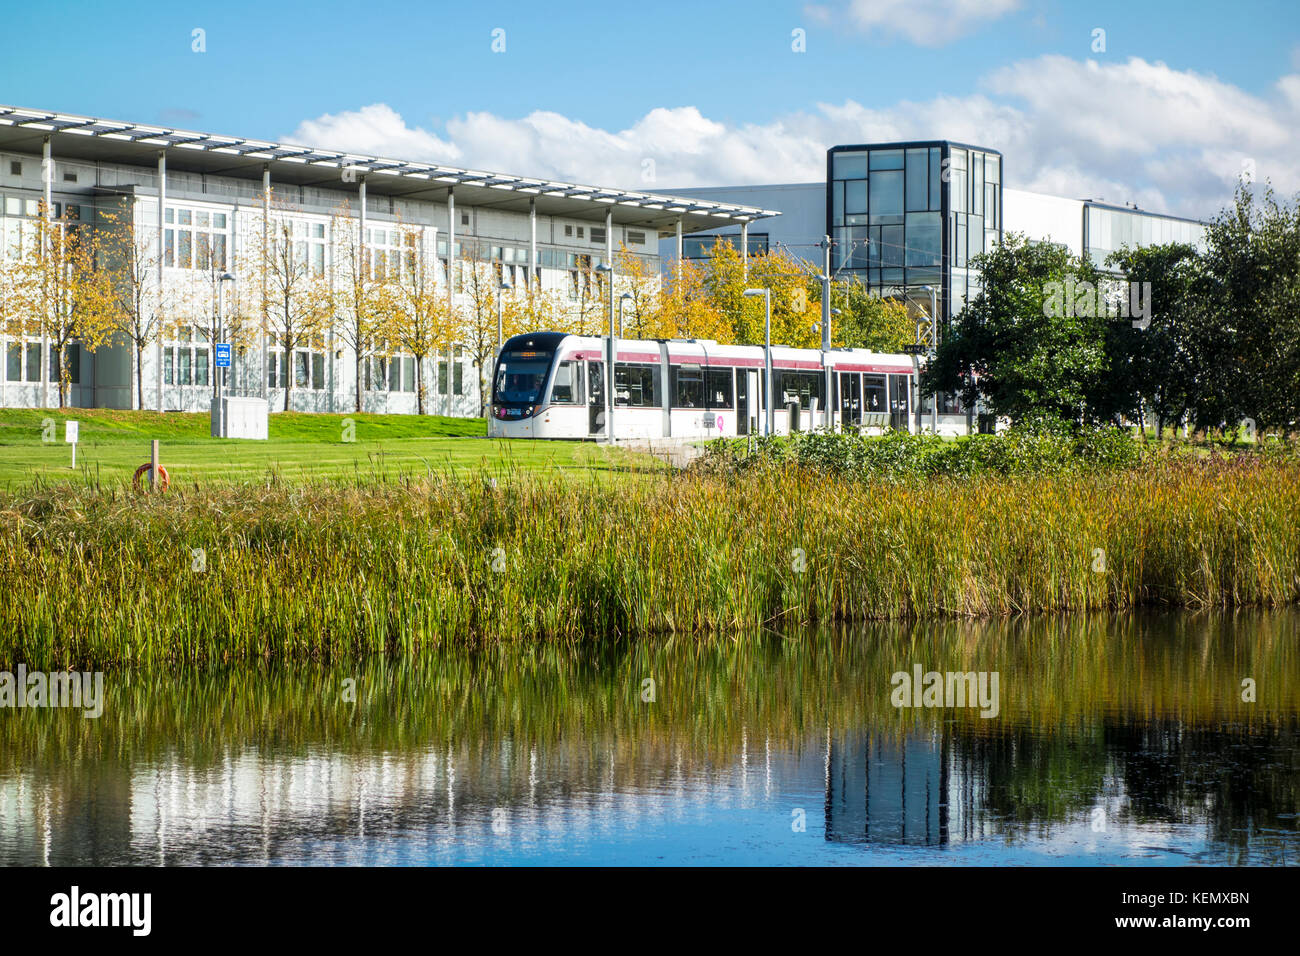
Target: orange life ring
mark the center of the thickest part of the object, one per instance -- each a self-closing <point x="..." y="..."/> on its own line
<point x="164" y="479"/>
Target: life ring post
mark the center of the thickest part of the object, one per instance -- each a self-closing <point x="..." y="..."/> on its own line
<point x="153" y="465"/>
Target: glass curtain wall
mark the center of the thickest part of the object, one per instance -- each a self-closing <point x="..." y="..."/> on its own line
<point x="905" y="216"/>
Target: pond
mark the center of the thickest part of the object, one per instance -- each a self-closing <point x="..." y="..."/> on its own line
<point x="1142" y="739"/>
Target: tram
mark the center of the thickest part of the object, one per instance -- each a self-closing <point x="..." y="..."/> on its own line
<point x="555" y="385"/>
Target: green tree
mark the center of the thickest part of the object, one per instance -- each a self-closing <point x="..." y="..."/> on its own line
<point x="1249" y="339"/>
<point x="1033" y="338"/>
<point x="1158" y="365"/>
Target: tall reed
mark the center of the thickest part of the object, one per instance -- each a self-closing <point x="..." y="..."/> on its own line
<point x="314" y="571"/>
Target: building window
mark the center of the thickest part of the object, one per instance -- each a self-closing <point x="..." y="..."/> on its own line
<point x="635" y="238"/>
<point x="69" y="177"/>
<point x="15" y="168"/>
<point x="195" y="238"/>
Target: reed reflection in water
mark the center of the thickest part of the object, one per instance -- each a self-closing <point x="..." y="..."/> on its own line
<point x="1119" y="739"/>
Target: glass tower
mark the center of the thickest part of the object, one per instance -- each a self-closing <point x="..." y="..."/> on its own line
<point x="908" y="215"/>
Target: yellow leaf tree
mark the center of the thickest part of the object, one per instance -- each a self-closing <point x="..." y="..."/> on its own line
<point x="418" y="319"/>
<point x="60" y="292"/>
<point x="360" y="296"/>
<point x="297" y="301"/>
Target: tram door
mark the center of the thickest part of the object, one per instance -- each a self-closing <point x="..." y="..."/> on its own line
<point x="850" y="398"/>
<point x="742" y="402"/>
<point x="899" y="405"/>
<point x="596" y="397"/>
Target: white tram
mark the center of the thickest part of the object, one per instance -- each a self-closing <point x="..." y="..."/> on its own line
<point x="554" y="385"/>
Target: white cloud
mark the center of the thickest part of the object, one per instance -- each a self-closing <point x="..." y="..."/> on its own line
<point x="924" y="22"/>
<point x="1167" y="139"/>
<point x="377" y="129"/>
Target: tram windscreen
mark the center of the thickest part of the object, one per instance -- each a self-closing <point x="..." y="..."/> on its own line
<point x="521" y="376"/>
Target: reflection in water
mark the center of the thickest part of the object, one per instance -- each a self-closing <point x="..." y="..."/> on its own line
<point x="1118" y="740"/>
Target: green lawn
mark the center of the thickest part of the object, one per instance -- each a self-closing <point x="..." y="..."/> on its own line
<point x="301" y="446"/>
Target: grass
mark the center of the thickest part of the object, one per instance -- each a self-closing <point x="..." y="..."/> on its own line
<point x="321" y="570"/>
<point x="300" y="447"/>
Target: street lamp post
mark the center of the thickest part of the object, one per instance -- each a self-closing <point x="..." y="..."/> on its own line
<point x="502" y="287"/>
<point x="608" y="272"/>
<point x="622" y="300"/>
<point x="934" y="345"/>
<point x="767" y="355"/>
<point x="218" y="374"/>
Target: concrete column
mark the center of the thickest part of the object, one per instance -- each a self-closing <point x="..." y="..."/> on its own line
<point x="162" y="292"/>
<point x="744" y="250"/>
<point x="266" y="238"/>
<point x="236" y="378"/>
<point x="534" y="274"/>
<point x="677" y="267"/>
<point x="451" y="253"/>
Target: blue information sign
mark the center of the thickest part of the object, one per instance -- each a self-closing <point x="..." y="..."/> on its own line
<point x="223" y="355"/>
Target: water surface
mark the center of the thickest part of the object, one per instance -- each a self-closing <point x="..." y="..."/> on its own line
<point x="1119" y="740"/>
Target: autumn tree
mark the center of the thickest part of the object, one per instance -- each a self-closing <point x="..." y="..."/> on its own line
<point x="418" y="317"/>
<point x="130" y="255"/>
<point x="296" y="304"/>
<point x="868" y="321"/>
<point x="60" y="292"/>
<point x="477" y="319"/>
<point x="360" y="295"/>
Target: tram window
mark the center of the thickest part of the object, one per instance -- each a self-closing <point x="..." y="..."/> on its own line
<point x="719" y="387"/>
<point x="873" y="393"/>
<point x="567" y="389"/>
<point x="801" y="387"/>
<point x="636" y="385"/>
<point x="521" y="376"/>
<point x="688" y="387"/>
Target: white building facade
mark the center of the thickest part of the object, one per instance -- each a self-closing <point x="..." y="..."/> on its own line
<point x="201" y="205"/>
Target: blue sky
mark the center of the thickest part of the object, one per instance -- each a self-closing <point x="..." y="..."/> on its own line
<point x="710" y="92"/>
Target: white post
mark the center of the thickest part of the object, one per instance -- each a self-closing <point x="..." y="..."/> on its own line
<point x="767" y="358"/>
<point x="216" y="372"/>
<point x="47" y="177"/>
<point x="162" y="298"/>
<point x="744" y="250"/>
<point x="266" y="238"/>
<point x="362" y="360"/>
<point x="934" y="345"/>
<point x="613" y="344"/>
<point x="827" y="415"/>
<point x="235" y="380"/>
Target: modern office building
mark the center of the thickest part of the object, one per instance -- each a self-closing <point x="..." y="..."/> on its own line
<point x="202" y="201"/>
<point x="907" y="219"/>
<point x="906" y="216"/>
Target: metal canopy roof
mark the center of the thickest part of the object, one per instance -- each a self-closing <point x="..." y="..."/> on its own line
<point x="89" y="140"/>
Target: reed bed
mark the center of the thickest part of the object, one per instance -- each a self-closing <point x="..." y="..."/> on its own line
<point x="317" y="571"/>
